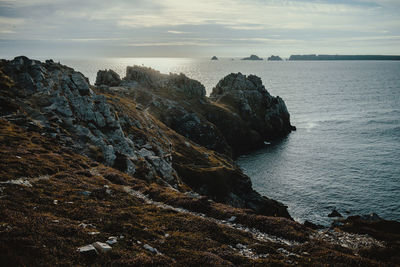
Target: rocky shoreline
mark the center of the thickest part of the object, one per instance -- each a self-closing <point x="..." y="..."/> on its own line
<point x="146" y="163"/>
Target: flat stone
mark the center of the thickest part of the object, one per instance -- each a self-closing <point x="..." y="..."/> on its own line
<point x="102" y="247"/>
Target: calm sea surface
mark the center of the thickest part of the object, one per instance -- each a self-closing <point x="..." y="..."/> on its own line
<point x="345" y="153"/>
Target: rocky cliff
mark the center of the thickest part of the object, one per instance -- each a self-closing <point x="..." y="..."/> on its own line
<point x="107" y="175"/>
<point x="138" y="126"/>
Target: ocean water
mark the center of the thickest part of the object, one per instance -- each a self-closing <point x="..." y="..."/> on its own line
<point x="345" y="154"/>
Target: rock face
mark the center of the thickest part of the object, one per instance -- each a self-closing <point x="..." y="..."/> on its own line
<point x="274" y="58"/>
<point x="231" y="128"/>
<point x="173" y="82"/>
<point x="61" y="101"/>
<point x="245" y="96"/>
<point x="108" y="77"/>
<point x="153" y="126"/>
<point x="252" y="57"/>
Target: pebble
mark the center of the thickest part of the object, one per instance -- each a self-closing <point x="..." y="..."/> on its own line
<point x="232" y="219"/>
<point x="150" y="248"/>
<point x="111" y="240"/>
<point x="94" y="233"/>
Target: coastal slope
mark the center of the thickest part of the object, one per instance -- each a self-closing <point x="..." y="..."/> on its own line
<point x="110" y="163"/>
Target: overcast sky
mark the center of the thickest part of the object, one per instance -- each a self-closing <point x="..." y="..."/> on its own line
<point x="177" y="28"/>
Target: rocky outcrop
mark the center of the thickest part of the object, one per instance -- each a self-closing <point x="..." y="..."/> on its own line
<point x="108" y="77"/>
<point x="148" y="77"/>
<point x="274" y="58"/>
<point x="61" y="102"/>
<point x="252" y="57"/>
<point x="246" y="96"/>
<point x="214" y="58"/>
<point x="217" y="123"/>
<point x="120" y="126"/>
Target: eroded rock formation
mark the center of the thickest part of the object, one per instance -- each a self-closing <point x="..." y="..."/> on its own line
<point x="138" y="127"/>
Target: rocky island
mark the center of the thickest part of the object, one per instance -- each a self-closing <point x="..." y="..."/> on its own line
<point x="274" y="58"/>
<point x="252" y="57"/>
<point x="139" y="171"/>
<point x="344" y="57"/>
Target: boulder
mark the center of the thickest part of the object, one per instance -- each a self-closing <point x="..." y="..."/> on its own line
<point x="214" y="58"/>
<point x="335" y="213"/>
<point x="107" y="77"/>
<point x="102" y="247"/>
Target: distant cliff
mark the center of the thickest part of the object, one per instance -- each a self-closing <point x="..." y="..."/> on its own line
<point x="343" y="57"/>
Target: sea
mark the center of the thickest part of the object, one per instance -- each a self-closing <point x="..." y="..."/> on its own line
<point x="345" y="154"/>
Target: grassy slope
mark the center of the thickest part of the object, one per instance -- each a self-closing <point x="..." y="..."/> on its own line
<point x="35" y="231"/>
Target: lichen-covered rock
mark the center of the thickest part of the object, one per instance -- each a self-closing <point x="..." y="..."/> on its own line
<point x="61" y="100"/>
<point x="107" y="77"/>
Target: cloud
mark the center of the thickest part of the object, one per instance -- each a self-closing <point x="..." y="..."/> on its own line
<point x="219" y="23"/>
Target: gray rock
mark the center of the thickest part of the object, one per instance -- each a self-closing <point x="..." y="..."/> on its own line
<point x="102" y="247"/>
<point x="107" y="77"/>
<point x="88" y="250"/>
<point x="81" y="83"/>
<point x="247" y="97"/>
<point x="150" y="248"/>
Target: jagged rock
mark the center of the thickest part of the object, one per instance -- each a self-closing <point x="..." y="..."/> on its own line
<point x="107" y="77"/>
<point x="335" y="213"/>
<point x="154" y="79"/>
<point x="63" y="102"/>
<point x="246" y="96"/>
<point x="81" y="82"/>
<point x="128" y="134"/>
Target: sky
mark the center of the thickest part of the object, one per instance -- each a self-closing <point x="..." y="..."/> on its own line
<point x="198" y="28"/>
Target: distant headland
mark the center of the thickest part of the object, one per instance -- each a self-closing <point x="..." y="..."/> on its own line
<point x="343" y="57"/>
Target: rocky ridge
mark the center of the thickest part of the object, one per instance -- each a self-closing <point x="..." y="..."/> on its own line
<point x="127" y="126"/>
